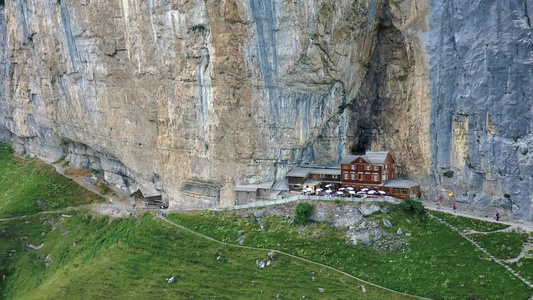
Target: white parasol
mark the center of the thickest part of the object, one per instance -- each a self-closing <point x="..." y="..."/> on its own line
<point x="340" y="193"/>
<point x="382" y="192"/>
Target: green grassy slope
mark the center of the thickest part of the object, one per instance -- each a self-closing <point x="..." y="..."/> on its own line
<point x="130" y="259"/>
<point x="441" y="264"/>
<point x="24" y="183"/>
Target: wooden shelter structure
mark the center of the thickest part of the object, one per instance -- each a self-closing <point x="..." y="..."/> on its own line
<point x="148" y="198"/>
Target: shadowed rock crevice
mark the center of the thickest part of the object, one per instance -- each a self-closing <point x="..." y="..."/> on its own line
<point x="390" y="67"/>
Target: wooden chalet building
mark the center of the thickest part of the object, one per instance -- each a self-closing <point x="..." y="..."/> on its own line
<point x="375" y="171"/>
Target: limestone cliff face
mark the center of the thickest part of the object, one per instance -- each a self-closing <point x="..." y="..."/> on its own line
<point x="481" y="71"/>
<point x="192" y="97"/>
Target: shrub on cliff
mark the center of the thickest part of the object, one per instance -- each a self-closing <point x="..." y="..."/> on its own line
<point x="302" y="213"/>
<point x="411" y="206"/>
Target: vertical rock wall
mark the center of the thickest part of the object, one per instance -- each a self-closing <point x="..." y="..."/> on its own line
<point x="185" y="96"/>
<point x="481" y="64"/>
<point x="192" y="97"/>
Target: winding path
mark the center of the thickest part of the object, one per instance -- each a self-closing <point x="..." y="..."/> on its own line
<point x="290" y="255"/>
<point x="496" y="260"/>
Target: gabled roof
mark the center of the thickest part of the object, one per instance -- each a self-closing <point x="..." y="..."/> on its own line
<point x="373" y="157"/>
<point x="349" y="158"/>
<point x="377" y="157"/>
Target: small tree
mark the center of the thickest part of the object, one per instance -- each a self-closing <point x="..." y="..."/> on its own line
<point x="412" y="206"/>
<point x="303" y="212"/>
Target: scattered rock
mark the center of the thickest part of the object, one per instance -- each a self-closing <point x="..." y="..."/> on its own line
<point x="48" y="260"/>
<point x="368" y="209"/>
<point x="290" y="221"/>
<point x="362" y="287"/>
<point x="41" y="205"/>
<point x="35" y="247"/>
<point x="262" y="263"/>
<point x="387" y="223"/>
<point x="408" y="234"/>
<point x="272" y="255"/>
<point x="171" y="279"/>
<point x="399" y="231"/>
<point x="241" y="239"/>
<point x="312" y="278"/>
<point x="321" y="290"/>
<point x="259" y="214"/>
<point x="3" y="232"/>
<point x="366" y="233"/>
<point x="241" y="231"/>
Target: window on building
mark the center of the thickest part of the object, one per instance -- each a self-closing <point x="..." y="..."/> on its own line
<point x="353" y="167"/>
<point x="335" y="176"/>
<point x="353" y="176"/>
<point x="376" y="168"/>
<point x="368" y="167"/>
<point x="345" y="175"/>
<point x="375" y="177"/>
<point x="322" y="175"/>
<point x="360" y="177"/>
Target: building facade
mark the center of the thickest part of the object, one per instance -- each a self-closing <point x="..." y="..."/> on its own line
<point x="375" y="171"/>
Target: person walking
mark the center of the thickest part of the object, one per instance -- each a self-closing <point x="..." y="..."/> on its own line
<point x="497" y="216"/>
<point x="438" y="204"/>
<point x="454" y="207"/>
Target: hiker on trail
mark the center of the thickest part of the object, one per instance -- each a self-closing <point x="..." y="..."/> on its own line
<point x="454" y="207"/>
<point x="497" y="216"/>
<point x="438" y="204"/>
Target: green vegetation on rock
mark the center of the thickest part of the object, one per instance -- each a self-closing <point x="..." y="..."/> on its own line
<point x="302" y="213"/>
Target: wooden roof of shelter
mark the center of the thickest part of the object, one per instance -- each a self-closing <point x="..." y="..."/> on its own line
<point x="302" y="172"/>
<point x="401" y="183"/>
<point x="148" y="192"/>
<point x="253" y="187"/>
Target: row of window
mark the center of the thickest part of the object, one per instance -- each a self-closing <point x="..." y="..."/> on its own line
<point x="332" y="176"/>
<point x="399" y="191"/>
<point x="359" y="177"/>
<point x="367" y="167"/>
